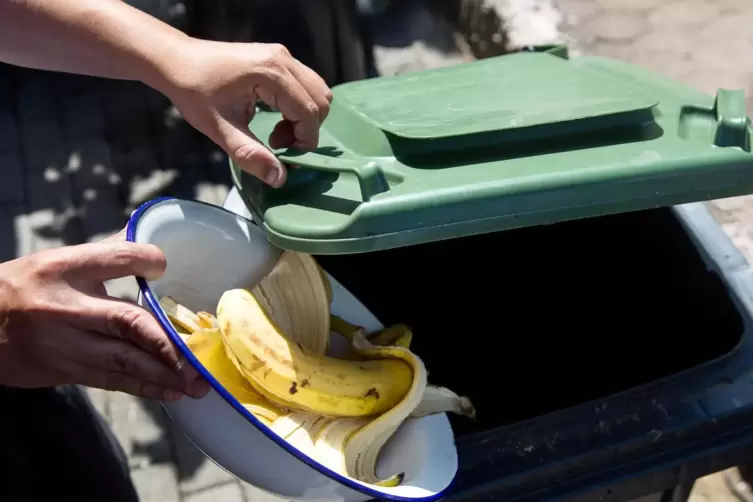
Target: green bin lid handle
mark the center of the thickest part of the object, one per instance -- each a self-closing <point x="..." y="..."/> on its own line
<point x="371" y="179"/>
<point x="732" y="119"/>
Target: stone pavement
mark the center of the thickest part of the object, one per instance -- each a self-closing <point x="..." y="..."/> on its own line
<point x="78" y="155"/>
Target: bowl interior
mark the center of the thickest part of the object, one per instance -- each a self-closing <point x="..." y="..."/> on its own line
<point x="210" y="250"/>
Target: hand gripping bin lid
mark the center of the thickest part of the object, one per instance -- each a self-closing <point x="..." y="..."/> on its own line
<point x="507" y="142"/>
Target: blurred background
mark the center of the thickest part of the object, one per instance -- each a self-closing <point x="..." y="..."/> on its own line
<point x="79" y="154"/>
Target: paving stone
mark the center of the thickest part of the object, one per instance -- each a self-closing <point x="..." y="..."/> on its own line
<point x="144" y="188"/>
<point x="51" y="229"/>
<point x="156" y="483"/>
<point x="100" y="212"/>
<point x="9" y="136"/>
<point x="253" y="494"/>
<point x="82" y="115"/>
<point x="49" y="189"/>
<point x="219" y="167"/>
<point x="229" y="492"/>
<point x="43" y="144"/>
<point x="140" y="426"/>
<point x="614" y="26"/>
<point x="195" y="471"/>
<point x="16" y="217"/>
<point x="686" y="13"/>
<point x="125" y="287"/>
<point x="91" y="161"/>
<point x="12" y="175"/>
<point x="97" y="186"/>
<point x="100" y="398"/>
<point x="135" y="161"/>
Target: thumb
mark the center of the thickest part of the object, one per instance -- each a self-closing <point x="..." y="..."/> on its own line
<point x="250" y="154"/>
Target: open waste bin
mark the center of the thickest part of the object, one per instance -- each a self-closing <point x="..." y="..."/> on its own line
<point x="520" y="214"/>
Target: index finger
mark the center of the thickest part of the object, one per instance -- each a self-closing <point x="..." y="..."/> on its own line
<point x="282" y="90"/>
<point x="102" y="261"/>
<point x="124" y="320"/>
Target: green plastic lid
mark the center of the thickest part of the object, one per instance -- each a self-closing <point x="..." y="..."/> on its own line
<point x="519" y="140"/>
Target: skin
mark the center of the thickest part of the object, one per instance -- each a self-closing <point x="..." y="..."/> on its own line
<point x="57" y="323"/>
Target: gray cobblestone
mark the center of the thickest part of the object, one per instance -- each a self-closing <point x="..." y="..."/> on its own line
<point x="254" y="494"/>
<point x="195" y="471"/>
<point x="140" y="426"/>
<point x="49" y="189"/>
<point x="12" y="175"/>
<point x="124" y="287"/>
<point x="229" y="492"/>
<point x="156" y="483"/>
<point x="101" y="400"/>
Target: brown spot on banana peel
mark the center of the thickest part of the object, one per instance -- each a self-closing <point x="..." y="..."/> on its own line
<point x="305" y="383"/>
<point x="372" y="392"/>
<point x="293" y="388"/>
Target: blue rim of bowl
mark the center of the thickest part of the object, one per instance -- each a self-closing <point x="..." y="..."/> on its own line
<point x="178" y="341"/>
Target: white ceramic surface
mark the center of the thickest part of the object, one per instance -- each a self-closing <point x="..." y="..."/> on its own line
<point x="210" y="250"/>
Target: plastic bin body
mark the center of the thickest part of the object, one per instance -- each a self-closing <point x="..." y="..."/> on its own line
<point x="638" y="440"/>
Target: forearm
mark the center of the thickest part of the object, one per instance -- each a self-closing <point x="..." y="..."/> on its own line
<point x="106" y="38"/>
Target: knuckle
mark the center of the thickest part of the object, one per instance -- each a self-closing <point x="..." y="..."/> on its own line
<point x="47" y="263"/>
<point x="122" y="254"/>
<point x="246" y="152"/>
<point x="312" y="109"/>
<point x="120" y="362"/>
<point x="328" y="96"/>
<point x="125" y="322"/>
<point x="279" y="50"/>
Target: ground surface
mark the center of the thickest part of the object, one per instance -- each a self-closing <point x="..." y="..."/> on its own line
<point x="79" y="154"/>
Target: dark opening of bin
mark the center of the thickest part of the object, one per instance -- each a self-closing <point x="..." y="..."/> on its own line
<point x="531" y="321"/>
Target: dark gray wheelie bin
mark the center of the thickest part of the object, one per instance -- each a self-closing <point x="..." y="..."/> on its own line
<point x="535" y="221"/>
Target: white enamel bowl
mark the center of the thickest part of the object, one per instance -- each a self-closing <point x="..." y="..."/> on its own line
<point x="210" y="250"/>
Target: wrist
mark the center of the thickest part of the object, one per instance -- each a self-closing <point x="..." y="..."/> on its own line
<point x="163" y="66"/>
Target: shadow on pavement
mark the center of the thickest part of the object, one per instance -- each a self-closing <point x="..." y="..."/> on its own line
<point x="78" y="154"/>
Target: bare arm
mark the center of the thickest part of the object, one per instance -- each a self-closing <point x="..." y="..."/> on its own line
<point x="105" y="38"/>
<point x="215" y="85"/>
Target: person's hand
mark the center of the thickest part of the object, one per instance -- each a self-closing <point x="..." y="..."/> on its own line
<point x="216" y="87"/>
<point x="58" y="325"/>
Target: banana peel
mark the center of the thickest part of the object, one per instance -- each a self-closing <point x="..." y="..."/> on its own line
<point x="206" y="344"/>
<point x="351" y="446"/>
<point x="297" y="296"/>
<point x="289" y="374"/>
<point x="295" y="300"/>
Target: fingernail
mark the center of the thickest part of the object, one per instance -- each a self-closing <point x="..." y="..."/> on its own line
<point x="272" y="176"/>
<point x="171" y="395"/>
<point x="198" y="388"/>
